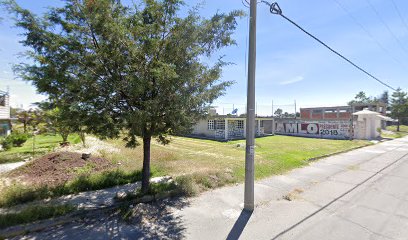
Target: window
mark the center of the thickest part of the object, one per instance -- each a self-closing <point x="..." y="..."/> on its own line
<point x="3" y="100"/>
<point x="317" y="111"/>
<point x="262" y="123"/>
<point x="240" y="124"/>
<point x="220" y="124"/>
<point x="211" y="124"/>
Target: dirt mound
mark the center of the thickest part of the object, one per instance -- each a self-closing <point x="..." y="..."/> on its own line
<point x="56" y="168"/>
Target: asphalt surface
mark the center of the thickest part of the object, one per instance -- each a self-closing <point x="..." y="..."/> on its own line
<point x="362" y="194"/>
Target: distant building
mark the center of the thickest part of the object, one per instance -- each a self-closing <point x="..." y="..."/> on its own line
<point x="326" y="113"/>
<point x="5" y="121"/>
<point x="229" y="127"/>
<point x="340" y="112"/>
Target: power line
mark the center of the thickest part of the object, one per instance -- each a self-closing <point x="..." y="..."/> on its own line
<point x="342" y="6"/>
<point x="275" y="9"/>
<point x="400" y="15"/>
<point x="386" y="26"/>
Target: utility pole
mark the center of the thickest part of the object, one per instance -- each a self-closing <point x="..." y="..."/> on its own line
<point x="272" y="108"/>
<point x="250" y="126"/>
<point x="295" y="108"/>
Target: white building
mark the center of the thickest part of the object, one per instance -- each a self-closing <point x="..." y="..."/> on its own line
<point x="5" y="122"/>
<point x="367" y="124"/>
<point x="230" y="127"/>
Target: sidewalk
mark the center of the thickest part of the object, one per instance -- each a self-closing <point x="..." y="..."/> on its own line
<point x="313" y="198"/>
<point x="6" y="167"/>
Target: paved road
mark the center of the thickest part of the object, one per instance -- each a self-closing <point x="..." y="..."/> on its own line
<point x="10" y="166"/>
<point x="362" y="194"/>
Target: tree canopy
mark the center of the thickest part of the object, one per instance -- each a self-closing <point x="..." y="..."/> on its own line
<point x="133" y="69"/>
<point x="362" y="98"/>
<point x="399" y="107"/>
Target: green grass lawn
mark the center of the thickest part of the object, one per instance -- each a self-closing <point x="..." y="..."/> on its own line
<point x="274" y="155"/>
<point x="43" y="144"/>
<point x="402" y="133"/>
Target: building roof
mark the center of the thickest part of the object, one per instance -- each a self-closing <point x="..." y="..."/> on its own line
<point x="369" y="104"/>
<point x="335" y="107"/>
<point x="388" y="119"/>
<point x="365" y="112"/>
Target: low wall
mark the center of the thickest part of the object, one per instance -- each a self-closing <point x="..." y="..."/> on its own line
<point x="335" y="129"/>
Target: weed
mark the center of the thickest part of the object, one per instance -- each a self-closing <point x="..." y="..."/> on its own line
<point x="34" y="213"/>
<point x="18" y="193"/>
<point x="187" y="186"/>
<point x="86" y="169"/>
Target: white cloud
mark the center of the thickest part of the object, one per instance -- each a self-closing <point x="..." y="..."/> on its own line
<point x="293" y="80"/>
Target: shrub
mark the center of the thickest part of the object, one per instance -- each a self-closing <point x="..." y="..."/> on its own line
<point x="187" y="186"/>
<point x="6" y="143"/>
<point x="14" y="140"/>
<point x="18" y="139"/>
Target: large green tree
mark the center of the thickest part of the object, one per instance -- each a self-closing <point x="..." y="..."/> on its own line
<point x="399" y="106"/>
<point x="134" y="69"/>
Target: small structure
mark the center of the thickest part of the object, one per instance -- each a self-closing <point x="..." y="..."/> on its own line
<point x="367" y="124"/>
<point x="5" y="121"/>
<point x="378" y="107"/>
<point x="230" y="127"/>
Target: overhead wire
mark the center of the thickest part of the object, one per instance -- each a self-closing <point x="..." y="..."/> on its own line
<point x="342" y="6"/>
<point x="400" y="15"/>
<point x="386" y="26"/>
<point x="275" y="9"/>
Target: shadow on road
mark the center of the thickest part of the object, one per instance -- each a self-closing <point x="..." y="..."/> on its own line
<point x="239" y="225"/>
<point x="142" y="221"/>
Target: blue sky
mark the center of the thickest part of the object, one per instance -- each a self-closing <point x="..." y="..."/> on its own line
<point x="290" y="65"/>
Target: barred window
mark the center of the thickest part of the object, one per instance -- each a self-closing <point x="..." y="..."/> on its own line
<point x="210" y="124"/>
<point x="3" y="100"/>
<point x="240" y="124"/>
<point x="220" y="124"/>
<point x="317" y="111"/>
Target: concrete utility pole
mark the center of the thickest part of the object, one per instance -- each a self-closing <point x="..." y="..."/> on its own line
<point x="295" y="109"/>
<point x="250" y="126"/>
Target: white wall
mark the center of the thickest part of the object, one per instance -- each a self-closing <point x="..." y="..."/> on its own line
<point x="5" y="110"/>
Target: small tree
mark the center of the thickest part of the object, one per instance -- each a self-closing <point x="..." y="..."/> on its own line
<point x="278" y="113"/>
<point x="62" y="118"/>
<point x="136" y="69"/>
<point x="361" y="98"/>
<point x="25" y="117"/>
<point x="399" y="106"/>
<point x="60" y="123"/>
<point x="384" y="97"/>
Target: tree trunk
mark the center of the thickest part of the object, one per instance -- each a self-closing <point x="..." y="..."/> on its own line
<point x="146" y="164"/>
<point x="64" y="137"/>
<point x="82" y="136"/>
<point x="398" y="125"/>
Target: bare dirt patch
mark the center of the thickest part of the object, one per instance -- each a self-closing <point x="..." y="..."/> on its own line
<point x="57" y="168"/>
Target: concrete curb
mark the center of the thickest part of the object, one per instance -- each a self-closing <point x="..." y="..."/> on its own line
<point x="337" y="153"/>
<point x="22" y="229"/>
<point x="39" y="225"/>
